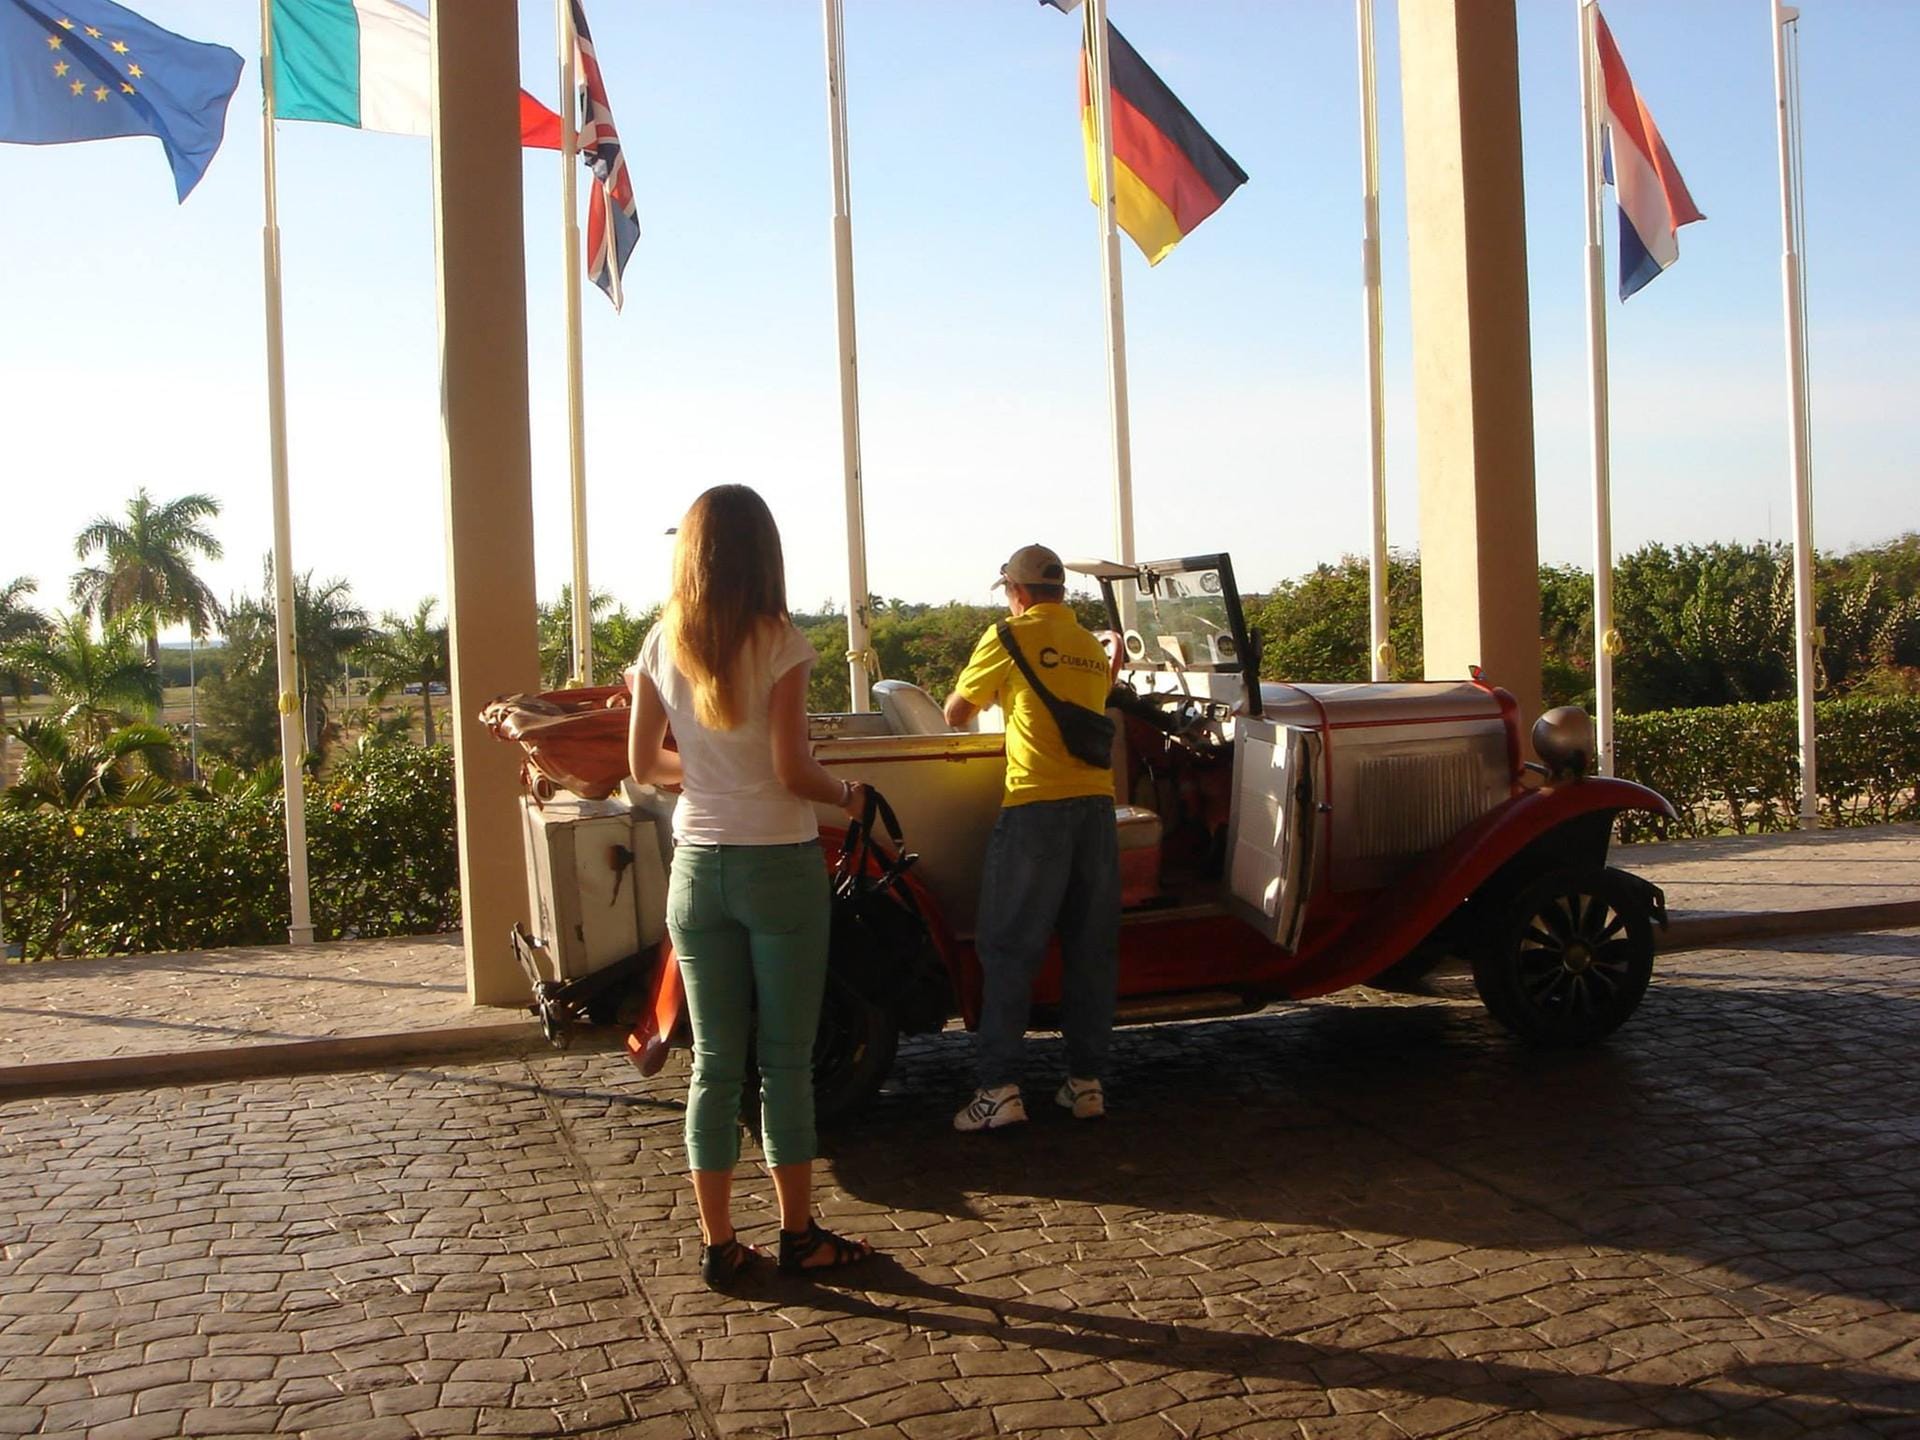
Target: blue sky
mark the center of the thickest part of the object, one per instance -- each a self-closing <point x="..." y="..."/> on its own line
<point x="131" y="342"/>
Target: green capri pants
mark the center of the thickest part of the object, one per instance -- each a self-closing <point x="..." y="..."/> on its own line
<point x="750" y="920"/>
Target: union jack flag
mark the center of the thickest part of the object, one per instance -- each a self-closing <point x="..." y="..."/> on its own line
<point x="613" y="220"/>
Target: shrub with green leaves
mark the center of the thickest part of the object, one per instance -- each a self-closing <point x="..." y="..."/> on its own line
<point x="202" y="873"/>
<point x="1736" y="767"/>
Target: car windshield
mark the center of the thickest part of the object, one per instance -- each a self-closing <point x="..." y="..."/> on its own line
<point x="1181" y="615"/>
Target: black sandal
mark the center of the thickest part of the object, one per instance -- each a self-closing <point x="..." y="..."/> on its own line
<point x="797" y="1247"/>
<point x="723" y="1264"/>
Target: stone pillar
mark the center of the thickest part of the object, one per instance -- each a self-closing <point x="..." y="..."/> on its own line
<point x="1472" y="358"/>
<point x="481" y="273"/>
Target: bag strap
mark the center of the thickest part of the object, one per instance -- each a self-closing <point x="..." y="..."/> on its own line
<point x="877" y="806"/>
<point x="1056" y="707"/>
<point x="856" y="852"/>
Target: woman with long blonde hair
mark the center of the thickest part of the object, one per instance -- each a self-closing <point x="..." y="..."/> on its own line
<point x="748" y="905"/>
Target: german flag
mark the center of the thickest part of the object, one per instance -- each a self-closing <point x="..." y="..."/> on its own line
<point x="1169" y="174"/>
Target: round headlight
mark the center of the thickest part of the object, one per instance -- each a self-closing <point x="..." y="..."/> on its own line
<point x="1563" y="738"/>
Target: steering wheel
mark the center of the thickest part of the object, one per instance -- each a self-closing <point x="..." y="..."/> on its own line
<point x="1185" y="720"/>
<point x="1200" y="735"/>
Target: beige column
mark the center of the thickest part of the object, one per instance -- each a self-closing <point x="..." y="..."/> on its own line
<point x="1472" y="359"/>
<point x="481" y="274"/>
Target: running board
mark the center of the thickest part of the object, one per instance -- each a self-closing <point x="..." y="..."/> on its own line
<point x="1151" y="1008"/>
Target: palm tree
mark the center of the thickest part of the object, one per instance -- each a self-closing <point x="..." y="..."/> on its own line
<point x="406" y="652"/>
<point x="67" y="770"/>
<point x="19" y="622"/>
<point x="242" y="722"/>
<point x="616" y="642"/>
<point x="223" y="781"/>
<point x="327" y="627"/>
<point x="146" y="574"/>
<point x="95" y="682"/>
<point x="616" y="638"/>
<point x="556" y="634"/>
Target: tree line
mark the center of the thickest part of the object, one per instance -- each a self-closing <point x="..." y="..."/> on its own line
<point x="1701" y="626"/>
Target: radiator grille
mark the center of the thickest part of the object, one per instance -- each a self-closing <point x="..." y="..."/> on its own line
<point x="1409" y="803"/>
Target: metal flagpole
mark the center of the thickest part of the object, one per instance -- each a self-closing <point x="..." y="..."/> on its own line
<point x="570" y="262"/>
<point x="1606" y="642"/>
<point x="193" y="710"/>
<point x="1381" y="648"/>
<point x="1100" y="91"/>
<point x="1800" y="444"/>
<point x="293" y="737"/>
<point x="859" y="633"/>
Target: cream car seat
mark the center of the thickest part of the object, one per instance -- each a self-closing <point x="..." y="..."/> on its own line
<point x="909" y="709"/>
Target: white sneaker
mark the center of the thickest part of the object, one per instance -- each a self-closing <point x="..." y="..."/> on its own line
<point x="1084" y="1097"/>
<point x="992" y="1109"/>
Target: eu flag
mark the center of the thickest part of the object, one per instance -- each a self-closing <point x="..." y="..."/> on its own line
<point x="93" y="70"/>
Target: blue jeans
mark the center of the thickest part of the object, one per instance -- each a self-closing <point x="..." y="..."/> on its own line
<point x="750" y="921"/>
<point x="1052" y="865"/>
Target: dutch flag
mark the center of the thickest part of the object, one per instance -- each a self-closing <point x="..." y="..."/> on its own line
<point x="1654" y="202"/>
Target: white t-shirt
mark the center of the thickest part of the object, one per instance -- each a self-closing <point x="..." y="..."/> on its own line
<point x="730" y="795"/>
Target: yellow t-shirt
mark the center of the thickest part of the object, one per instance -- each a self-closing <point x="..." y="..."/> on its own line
<point x="1070" y="663"/>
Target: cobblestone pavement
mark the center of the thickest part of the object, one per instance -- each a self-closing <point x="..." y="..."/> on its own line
<point x="1355" y="1218"/>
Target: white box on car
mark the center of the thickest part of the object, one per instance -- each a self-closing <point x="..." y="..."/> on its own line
<point x="596" y="885"/>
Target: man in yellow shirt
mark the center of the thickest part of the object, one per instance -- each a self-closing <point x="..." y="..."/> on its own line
<point x="1053" y="863"/>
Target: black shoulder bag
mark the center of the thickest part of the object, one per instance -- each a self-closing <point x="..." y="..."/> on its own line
<point x="1088" y="733"/>
<point x="881" y="944"/>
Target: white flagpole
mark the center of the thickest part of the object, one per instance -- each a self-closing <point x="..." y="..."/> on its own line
<point x="1381" y="647"/>
<point x="293" y="738"/>
<point x="1100" y="91"/>
<point x="1786" y="100"/>
<point x="570" y="263"/>
<point x="193" y="709"/>
<point x="1605" y="641"/>
<point x="859" y="634"/>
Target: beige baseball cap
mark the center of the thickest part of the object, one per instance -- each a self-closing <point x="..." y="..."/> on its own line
<point x="1032" y="565"/>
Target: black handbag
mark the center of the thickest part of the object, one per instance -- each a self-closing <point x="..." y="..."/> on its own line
<point x="1088" y="733"/>
<point x="881" y="943"/>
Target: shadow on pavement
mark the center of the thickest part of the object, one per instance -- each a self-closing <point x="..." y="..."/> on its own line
<point x="1806" y="1395"/>
<point x="1770" y="1135"/>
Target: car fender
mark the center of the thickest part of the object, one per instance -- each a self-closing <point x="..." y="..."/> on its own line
<point x="1434" y="887"/>
<point x="664" y="1023"/>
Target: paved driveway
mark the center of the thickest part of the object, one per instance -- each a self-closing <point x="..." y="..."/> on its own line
<point x="1355" y="1218"/>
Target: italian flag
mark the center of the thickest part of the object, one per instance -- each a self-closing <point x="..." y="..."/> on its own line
<point x="367" y="64"/>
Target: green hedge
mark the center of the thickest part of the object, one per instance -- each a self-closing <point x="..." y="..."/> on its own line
<point x="200" y="873"/>
<point x="381" y="832"/>
<point x="1736" y="767"/>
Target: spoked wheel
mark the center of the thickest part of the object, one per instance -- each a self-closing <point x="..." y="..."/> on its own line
<point x="1569" y="958"/>
<point x="852" y="1052"/>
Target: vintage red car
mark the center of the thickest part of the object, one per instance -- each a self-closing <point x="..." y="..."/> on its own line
<point x="1279" y="841"/>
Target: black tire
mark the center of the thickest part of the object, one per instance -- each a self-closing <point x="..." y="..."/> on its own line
<point x="1566" y="960"/>
<point x="852" y="1052"/>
